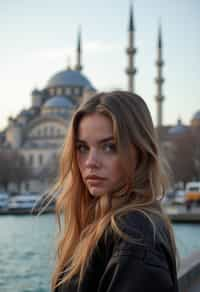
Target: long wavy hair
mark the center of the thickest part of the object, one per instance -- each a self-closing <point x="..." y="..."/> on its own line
<point x="82" y="218"/>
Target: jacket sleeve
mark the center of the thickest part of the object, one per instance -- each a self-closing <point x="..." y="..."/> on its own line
<point x="132" y="273"/>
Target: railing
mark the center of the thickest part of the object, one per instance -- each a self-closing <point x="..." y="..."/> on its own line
<point x="189" y="273"/>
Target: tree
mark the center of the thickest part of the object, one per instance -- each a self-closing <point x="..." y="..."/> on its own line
<point x="49" y="171"/>
<point x="184" y="157"/>
<point x="13" y="168"/>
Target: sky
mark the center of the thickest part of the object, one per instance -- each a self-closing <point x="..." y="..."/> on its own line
<point x="39" y="38"/>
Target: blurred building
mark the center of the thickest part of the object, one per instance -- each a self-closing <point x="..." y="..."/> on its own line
<point x="38" y="132"/>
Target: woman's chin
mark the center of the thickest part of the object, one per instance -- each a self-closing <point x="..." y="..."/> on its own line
<point x="96" y="192"/>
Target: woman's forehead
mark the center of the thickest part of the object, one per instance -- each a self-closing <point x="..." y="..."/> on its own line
<point x="96" y="126"/>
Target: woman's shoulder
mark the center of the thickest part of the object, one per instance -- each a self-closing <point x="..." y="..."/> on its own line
<point x="144" y="231"/>
<point x="139" y="226"/>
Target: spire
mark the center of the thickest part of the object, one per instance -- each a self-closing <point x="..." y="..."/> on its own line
<point x="79" y="41"/>
<point x="69" y="63"/>
<point x="159" y="37"/>
<point x="78" y="66"/>
<point x="131" y="50"/>
<point x="179" y="121"/>
<point x="159" y="80"/>
<point x="131" y="21"/>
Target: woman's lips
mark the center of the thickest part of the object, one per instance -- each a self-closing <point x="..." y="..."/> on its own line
<point x="94" y="177"/>
<point x="94" y="180"/>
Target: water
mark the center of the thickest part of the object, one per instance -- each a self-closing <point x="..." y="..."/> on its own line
<point x="27" y="247"/>
<point x="26" y="253"/>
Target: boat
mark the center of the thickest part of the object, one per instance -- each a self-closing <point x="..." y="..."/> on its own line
<point x="27" y="203"/>
<point x="4" y="201"/>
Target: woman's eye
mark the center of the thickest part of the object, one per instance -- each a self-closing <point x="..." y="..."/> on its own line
<point x="109" y="148"/>
<point x="82" y="148"/>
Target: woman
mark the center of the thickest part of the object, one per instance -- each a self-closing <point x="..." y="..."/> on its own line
<point x="114" y="234"/>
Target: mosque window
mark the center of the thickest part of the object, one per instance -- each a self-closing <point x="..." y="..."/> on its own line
<point x="52" y="131"/>
<point x="31" y="160"/>
<point x="27" y="186"/>
<point x="52" y="91"/>
<point x="68" y="91"/>
<point x="77" y="91"/>
<point x="58" y="132"/>
<point x="45" y="131"/>
<point x="59" y="91"/>
<point x="22" y="160"/>
<point x="40" y="159"/>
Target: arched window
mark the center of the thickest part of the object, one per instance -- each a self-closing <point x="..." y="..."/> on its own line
<point x="77" y="91"/>
<point x="58" y="132"/>
<point x="22" y="160"/>
<point x="59" y="91"/>
<point x="68" y="91"/>
<point x="31" y="160"/>
<point x="45" y="131"/>
<point x="52" y="131"/>
<point x="27" y="187"/>
<point x="52" y="91"/>
<point x="40" y="159"/>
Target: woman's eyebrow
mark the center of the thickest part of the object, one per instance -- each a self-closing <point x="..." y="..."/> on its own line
<point x="80" y="141"/>
<point x="101" y="141"/>
<point x="106" y="140"/>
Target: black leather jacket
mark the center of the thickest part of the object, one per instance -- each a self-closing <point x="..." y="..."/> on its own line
<point x="121" y="266"/>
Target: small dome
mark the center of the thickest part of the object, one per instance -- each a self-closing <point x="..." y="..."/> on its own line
<point x="69" y="78"/>
<point x="179" y="129"/>
<point x="35" y="92"/>
<point x="196" y="119"/>
<point x="196" y="116"/>
<point x="25" y="113"/>
<point x="58" y="102"/>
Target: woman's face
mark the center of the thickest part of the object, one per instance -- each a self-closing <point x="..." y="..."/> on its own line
<point x="97" y="155"/>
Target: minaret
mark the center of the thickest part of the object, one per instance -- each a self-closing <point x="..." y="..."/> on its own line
<point x="78" y="66"/>
<point x="159" y="80"/>
<point x="131" y="70"/>
<point x="69" y="63"/>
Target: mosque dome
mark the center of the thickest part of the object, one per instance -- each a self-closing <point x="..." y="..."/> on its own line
<point x="179" y="129"/>
<point x="58" y="102"/>
<point x="196" y="119"/>
<point x="35" y="91"/>
<point x="57" y="105"/>
<point x="69" y="78"/>
<point x="197" y="115"/>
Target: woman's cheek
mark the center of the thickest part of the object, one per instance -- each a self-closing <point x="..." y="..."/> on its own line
<point x="81" y="162"/>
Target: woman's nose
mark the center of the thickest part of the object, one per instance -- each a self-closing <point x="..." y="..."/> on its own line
<point x="93" y="159"/>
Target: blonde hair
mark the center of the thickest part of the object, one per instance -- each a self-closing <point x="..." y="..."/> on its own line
<point x="86" y="218"/>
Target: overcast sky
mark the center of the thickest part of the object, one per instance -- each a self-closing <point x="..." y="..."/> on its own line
<point x="38" y="37"/>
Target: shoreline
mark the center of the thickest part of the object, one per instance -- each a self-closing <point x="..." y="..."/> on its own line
<point x="179" y="214"/>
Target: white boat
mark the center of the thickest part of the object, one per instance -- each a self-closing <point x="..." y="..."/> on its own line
<point x="24" y="203"/>
<point x="4" y="201"/>
<point x="27" y="203"/>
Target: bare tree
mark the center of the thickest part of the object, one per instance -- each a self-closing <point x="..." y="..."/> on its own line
<point x="49" y="171"/>
<point x="13" y="169"/>
<point x="184" y="159"/>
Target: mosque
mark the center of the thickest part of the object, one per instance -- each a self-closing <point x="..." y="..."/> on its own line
<point x="38" y="132"/>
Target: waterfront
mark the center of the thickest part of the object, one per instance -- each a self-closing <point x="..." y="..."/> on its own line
<point x="27" y="250"/>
